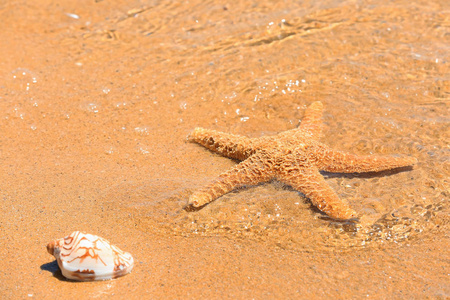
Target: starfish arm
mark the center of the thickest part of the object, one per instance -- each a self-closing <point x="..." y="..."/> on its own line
<point x="310" y="127"/>
<point x="229" y="145"/>
<point x="304" y="177"/>
<point x="254" y="170"/>
<point x="312" y="120"/>
<point x="330" y="160"/>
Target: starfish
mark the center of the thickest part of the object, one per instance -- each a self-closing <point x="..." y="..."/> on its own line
<point x="293" y="157"/>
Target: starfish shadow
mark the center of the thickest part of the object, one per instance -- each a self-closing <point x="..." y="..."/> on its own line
<point x="323" y="216"/>
<point x="367" y="174"/>
<point x="190" y="208"/>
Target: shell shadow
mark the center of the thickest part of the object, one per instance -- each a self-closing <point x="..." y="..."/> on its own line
<point x="54" y="269"/>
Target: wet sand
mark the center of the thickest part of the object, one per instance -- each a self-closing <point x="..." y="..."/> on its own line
<point x="96" y="102"/>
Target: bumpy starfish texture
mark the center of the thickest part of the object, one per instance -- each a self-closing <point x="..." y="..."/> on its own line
<point x="293" y="157"/>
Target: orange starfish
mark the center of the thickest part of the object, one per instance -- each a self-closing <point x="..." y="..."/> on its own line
<point x="293" y="157"/>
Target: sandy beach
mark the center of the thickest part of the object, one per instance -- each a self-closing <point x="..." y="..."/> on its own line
<point x="97" y="99"/>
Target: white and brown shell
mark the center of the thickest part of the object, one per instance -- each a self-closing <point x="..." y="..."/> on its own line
<point x="86" y="257"/>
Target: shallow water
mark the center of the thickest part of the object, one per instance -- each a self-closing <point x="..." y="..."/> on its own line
<point x="96" y="102"/>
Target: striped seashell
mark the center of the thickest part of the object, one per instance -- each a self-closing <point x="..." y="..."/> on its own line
<point x="86" y="257"/>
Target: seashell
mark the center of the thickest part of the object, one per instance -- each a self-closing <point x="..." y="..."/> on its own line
<point x="87" y="257"/>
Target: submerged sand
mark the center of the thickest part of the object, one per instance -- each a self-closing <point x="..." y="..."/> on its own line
<point x="96" y="101"/>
